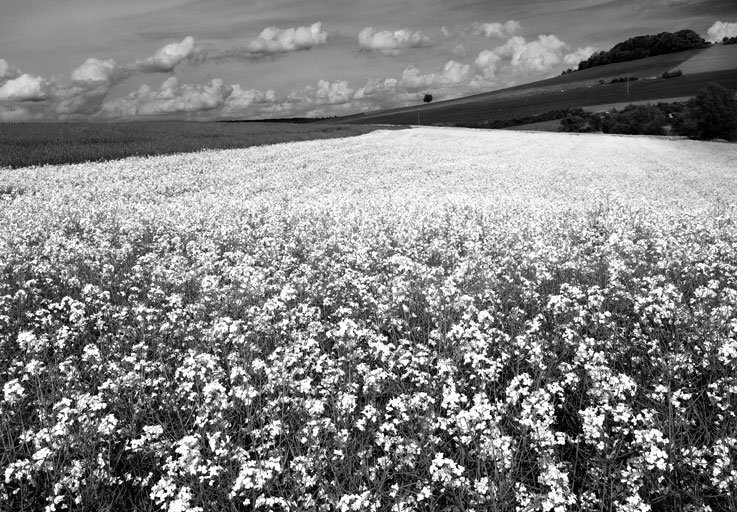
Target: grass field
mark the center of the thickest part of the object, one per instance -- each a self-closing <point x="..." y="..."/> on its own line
<point x="653" y="66"/>
<point x="58" y="143"/>
<point x="429" y="319"/>
<point x="718" y="57"/>
<point x="506" y="106"/>
<point x="573" y="90"/>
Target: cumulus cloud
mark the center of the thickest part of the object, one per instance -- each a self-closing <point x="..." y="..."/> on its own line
<point x="720" y="30"/>
<point x="4" y="68"/>
<point x="172" y="97"/>
<point x="86" y="88"/>
<point x="330" y="93"/>
<point x="167" y="58"/>
<point x="500" y="30"/>
<point x="573" y="58"/>
<point x="96" y="70"/>
<point x="251" y="101"/>
<point x="24" y="88"/>
<point x="271" y="42"/>
<point x="274" y="40"/>
<point x="487" y="62"/>
<point x="390" y="42"/>
<point x="537" y="56"/>
<point x="330" y="98"/>
<point x="7" y="71"/>
<point x="453" y="73"/>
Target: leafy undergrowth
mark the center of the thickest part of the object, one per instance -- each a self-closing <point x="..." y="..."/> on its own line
<point x="206" y="351"/>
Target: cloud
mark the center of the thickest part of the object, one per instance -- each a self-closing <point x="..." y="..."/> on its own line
<point x="720" y="29"/>
<point x="7" y="71"/>
<point x="453" y="73"/>
<point x="166" y="58"/>
<point x="171" y="98"/>
<point x="271" y="42"/>
<point x="537" y="56"/>
<point x="339" y="97"/>
<point x="574" y="58"/>
<point x="390" y="43"/>
<point x="274" y="40"/>
<point x="17" y="114"/>
<point x="174" y="97"/>
<point x="88" y="85"/>
<point x="96" y="70"/>
<point x="327" y="93"/>
<point x="24" y="88"/>
<point x="500" y="30"/>
<point x="252" y="101"/>
<point x="487" y="62"/>
<point x="459" y="50"/>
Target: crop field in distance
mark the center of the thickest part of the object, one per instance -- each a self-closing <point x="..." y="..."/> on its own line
<point x="426" y="319"/>
<point x="26" y="144"/>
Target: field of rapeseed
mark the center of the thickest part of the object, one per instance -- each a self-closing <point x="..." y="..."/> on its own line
<point x="418" y="320"/>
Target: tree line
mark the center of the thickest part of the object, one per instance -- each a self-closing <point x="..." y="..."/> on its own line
<point x="646" y="46"/>
<point x="711" y="114"/>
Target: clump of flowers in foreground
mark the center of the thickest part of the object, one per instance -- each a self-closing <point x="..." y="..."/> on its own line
<point x="185" y="348"/>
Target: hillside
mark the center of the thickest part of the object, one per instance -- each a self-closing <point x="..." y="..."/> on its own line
<point x="573" y="90"/>
<point x="718" y="57"/>
<point x="646" y="46"/>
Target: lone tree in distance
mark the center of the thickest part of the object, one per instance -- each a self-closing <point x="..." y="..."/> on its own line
<point x="427" y="98"/>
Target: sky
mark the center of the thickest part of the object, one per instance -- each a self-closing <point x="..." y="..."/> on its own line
<point x="65" y="60"/>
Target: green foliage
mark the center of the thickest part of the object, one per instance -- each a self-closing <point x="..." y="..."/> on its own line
<point x="646" y="46"/>
<point x="623" y="79"/>
<point x="580" y="121"/>
<point x="427" y="98"/>
<point x="729" y="40"/>
<point x="712" y="114"/>
<point x="498" y="124"/>
<point x="636" y="120"/>
<point x="673" y="74"/>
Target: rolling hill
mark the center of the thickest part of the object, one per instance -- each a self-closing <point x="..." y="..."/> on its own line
<point x="586" y="88"/>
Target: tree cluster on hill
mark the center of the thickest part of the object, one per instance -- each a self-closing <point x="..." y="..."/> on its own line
<point x="711" y="114"/>
<point x="729" y="40"/>
<point x="673" y="74"/>
<point x="646" y="46"/>
<point x="623" y="79"/>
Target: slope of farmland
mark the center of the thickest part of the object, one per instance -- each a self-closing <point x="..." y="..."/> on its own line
<point x="718" y="57"/>
<point x="430" y="319"/>
<point x="573" y="90"/>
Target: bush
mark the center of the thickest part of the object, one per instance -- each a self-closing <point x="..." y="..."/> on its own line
<point x="673" y="74"/>
<point x="660" y="119"/>
<point x="580" y="121"/>
<point x="636" y="120"/>
<point x="712" y="114"/>
<point x="623" y="79"/>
